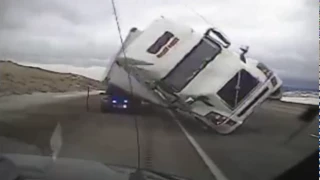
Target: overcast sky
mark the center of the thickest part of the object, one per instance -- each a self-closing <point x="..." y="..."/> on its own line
<point x="82" y="34"/>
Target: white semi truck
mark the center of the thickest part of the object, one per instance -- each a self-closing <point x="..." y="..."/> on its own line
<point x="172" y="65"/>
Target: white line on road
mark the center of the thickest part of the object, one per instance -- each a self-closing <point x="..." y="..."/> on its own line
<point x="215" y="171"/>
<point x="314" y="136"/>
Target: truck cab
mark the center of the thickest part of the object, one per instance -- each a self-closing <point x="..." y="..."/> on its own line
<point x="196" y="73"/>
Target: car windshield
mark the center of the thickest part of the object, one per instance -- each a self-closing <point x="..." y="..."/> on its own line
<point x="97" y="89"/>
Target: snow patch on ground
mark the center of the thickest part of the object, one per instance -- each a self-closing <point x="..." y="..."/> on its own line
<point x="77" y="94"/>
<point x="19" y="102"/>
<point x="301" y="97"/>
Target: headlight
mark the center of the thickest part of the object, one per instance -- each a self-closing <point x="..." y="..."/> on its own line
<point x="216" y="118"/>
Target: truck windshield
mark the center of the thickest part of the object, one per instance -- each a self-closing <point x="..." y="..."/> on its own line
<point x="228" y="92"/>
<point x="188" y="68"/>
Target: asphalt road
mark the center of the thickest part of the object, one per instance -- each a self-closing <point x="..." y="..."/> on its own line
<point x="258" y="150"/>
<point x="108" y="138"/>
<point x="262" y="148"/>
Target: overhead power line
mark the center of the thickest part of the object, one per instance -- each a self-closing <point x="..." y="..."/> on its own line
<point x="129" y="78"/>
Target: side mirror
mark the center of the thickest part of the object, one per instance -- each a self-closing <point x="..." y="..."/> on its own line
<point x="190" y="100"/>
<point x="244" y="51"/>
<point x="204" y="99"/>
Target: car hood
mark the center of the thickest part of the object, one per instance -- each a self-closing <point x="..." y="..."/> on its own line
<point x="43" y="167"/>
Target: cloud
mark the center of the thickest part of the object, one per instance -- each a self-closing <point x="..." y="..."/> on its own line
<point x="83" y="33"/>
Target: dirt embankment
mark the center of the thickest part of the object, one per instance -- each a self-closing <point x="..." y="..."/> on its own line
<point x="19" y="79"/>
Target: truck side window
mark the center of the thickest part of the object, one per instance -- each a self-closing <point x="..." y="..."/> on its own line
<point x="160" y="42"/>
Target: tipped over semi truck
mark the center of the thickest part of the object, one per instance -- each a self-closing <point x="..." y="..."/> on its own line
<point x="172" y="65"/>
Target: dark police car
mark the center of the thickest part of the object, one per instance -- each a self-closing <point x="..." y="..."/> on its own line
<point x="116" y="99"/>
